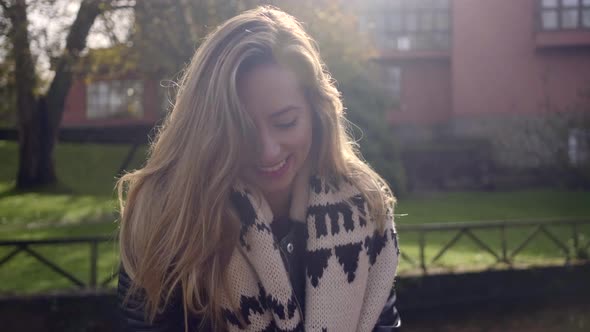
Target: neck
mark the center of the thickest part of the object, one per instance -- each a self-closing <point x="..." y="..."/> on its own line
<point x="279" y="203"/>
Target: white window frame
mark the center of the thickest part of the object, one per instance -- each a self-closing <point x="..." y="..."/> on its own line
<point x="559" y="9"/>
<point x="114" y="98"/>
<point x="410" y="25"/>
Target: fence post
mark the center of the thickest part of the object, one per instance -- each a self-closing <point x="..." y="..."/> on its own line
<point x="93" y="262"/>
<point x="575" y="235"/>
<point x="504" y="249"/>
<point x="422" y="241"/>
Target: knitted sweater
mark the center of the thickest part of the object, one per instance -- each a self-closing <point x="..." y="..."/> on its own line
<point x="350" y="265"/>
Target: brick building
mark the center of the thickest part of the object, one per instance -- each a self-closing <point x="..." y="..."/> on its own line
<point x="516" y="73"/>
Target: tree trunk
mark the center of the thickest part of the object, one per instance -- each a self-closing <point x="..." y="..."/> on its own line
<point x="36" y="165"/>
<point x="75" y="43"/>
<point x="33" y="167"/>
<point x="38" y="119"/>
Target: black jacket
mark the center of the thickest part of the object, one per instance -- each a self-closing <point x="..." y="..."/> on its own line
<point x="290" y="238"/>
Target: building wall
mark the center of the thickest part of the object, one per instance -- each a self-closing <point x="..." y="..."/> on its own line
<point x="425" y="92"/>
<point x="75" y="108"/>
<point x="498" y="67"/>
<point x="517" y="87"/>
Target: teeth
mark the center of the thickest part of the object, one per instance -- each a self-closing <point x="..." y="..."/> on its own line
<point x="273" y="168"/>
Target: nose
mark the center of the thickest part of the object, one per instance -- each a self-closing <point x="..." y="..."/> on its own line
<point x="270" y="148"/>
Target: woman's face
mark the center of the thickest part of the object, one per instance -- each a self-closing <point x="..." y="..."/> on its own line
<point x="274" y="100"/>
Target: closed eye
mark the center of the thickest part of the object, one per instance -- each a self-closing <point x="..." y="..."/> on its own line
<point x="286" y="125"/>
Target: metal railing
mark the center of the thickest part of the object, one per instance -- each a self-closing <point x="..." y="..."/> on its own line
<point x="26" y="246"/>
<point x="578" y="249"/>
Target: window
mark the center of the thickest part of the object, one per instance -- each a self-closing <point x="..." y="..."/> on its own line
<point x="406" y="25"/>
<point x="564" y="14"/>
<point x="114" y="98"/>
<point x="579" y="146"/>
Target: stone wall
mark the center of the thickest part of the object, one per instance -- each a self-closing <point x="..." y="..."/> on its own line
<point x="419" y="299"/>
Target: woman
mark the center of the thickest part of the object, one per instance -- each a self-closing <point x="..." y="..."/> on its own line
<point x="254" y="211"/>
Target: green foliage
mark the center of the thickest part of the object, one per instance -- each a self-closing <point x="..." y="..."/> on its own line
<point x="171" y="30"/>
<point x="367" y="113"/>
<point x="115" y="61"/>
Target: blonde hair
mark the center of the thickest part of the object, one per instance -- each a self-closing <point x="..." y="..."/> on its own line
<point x="178" y="228"/>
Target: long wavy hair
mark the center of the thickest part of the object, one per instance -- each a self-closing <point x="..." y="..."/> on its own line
<point x="178" y="229"/>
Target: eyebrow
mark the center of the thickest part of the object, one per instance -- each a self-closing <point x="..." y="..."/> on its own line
<point x="283" y="111"/>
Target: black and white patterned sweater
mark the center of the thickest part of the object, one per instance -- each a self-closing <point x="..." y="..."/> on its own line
<point x="350" y="265"/>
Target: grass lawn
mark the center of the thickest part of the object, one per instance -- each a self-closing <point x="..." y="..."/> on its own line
<point x="84" y="205"/>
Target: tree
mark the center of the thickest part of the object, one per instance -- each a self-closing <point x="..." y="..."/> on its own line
<point x="171" y="30"/>
<point x="39" y="114"/>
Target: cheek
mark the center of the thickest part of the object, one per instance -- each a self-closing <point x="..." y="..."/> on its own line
<point x="302" y="139"/>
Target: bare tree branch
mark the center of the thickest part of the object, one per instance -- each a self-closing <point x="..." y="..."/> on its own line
<point x="4" y="6"/>
<point x="75" y="43"/>
<point x="109" y="26"/>
<point x="112" y="8"/>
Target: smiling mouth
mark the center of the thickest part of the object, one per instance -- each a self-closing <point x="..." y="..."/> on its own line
<point x="273" y="168"/>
